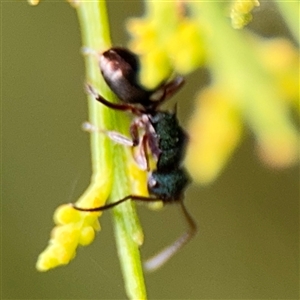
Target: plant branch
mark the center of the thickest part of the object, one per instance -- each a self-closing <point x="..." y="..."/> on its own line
<point x="110" y="161"/>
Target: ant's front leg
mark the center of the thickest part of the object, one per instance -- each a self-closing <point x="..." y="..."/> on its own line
<point x="139" y="154"/>
<point x="113" y="135"/>
<point x="138" y="146"/>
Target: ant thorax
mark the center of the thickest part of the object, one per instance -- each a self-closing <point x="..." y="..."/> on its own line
<point x="162" y="135"/>
<point x="171" y="139"/>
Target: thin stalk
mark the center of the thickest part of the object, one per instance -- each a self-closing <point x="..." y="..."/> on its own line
<point x="110" y="161"/>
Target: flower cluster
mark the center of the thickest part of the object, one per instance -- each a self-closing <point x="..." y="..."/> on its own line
<point x="240" y="12"/>
<point x="166" y="41"/>
<point x="73" y="228"/>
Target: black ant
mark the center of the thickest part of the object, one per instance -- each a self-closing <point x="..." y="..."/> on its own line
<point x="162" y="135"/>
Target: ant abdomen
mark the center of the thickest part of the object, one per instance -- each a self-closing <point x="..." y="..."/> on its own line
<point x="119" y="68"/>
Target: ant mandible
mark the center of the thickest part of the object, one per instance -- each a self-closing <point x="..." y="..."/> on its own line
<point x="162" y="135"/>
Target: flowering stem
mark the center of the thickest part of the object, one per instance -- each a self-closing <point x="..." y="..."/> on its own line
<point x="109" y="163"/>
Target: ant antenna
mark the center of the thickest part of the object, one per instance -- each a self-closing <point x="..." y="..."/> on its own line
<point x="111" y="205"/>
<point x="163" y="256"/>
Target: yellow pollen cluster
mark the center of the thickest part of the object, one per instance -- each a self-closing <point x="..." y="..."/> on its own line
<point x="72" y="228"/>
<point x="240" y="13"/>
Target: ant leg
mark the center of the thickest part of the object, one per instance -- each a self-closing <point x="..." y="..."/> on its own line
<point x="134" y="132"/>
<point x="167" y="90"/>
<point x="113" y="135"/>
<point x="152" y="139"/>
<point x="116" y="106"/>
<point x="141" y="154"/>
<point x="162" y="257"/>
<point x="111" y="205"/>
<point x="173" y="86"/>
<point x="89" y="51"/>
<point x="140" y="144"/>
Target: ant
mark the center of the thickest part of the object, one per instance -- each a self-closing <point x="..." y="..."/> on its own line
<point x="161" y="134"/>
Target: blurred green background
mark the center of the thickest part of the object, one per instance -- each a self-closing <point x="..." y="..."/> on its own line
<point x="248" y="240"/>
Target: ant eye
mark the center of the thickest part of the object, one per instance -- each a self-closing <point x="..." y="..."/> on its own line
<point x="152" y="182"/>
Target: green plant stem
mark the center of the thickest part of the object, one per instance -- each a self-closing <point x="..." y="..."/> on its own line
<point x="109" y="161"/>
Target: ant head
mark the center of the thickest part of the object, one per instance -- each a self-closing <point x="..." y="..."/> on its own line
<point x="168" y="186"/>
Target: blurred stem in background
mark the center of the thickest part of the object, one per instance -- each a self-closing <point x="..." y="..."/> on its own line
<point x="290" y="12"/>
